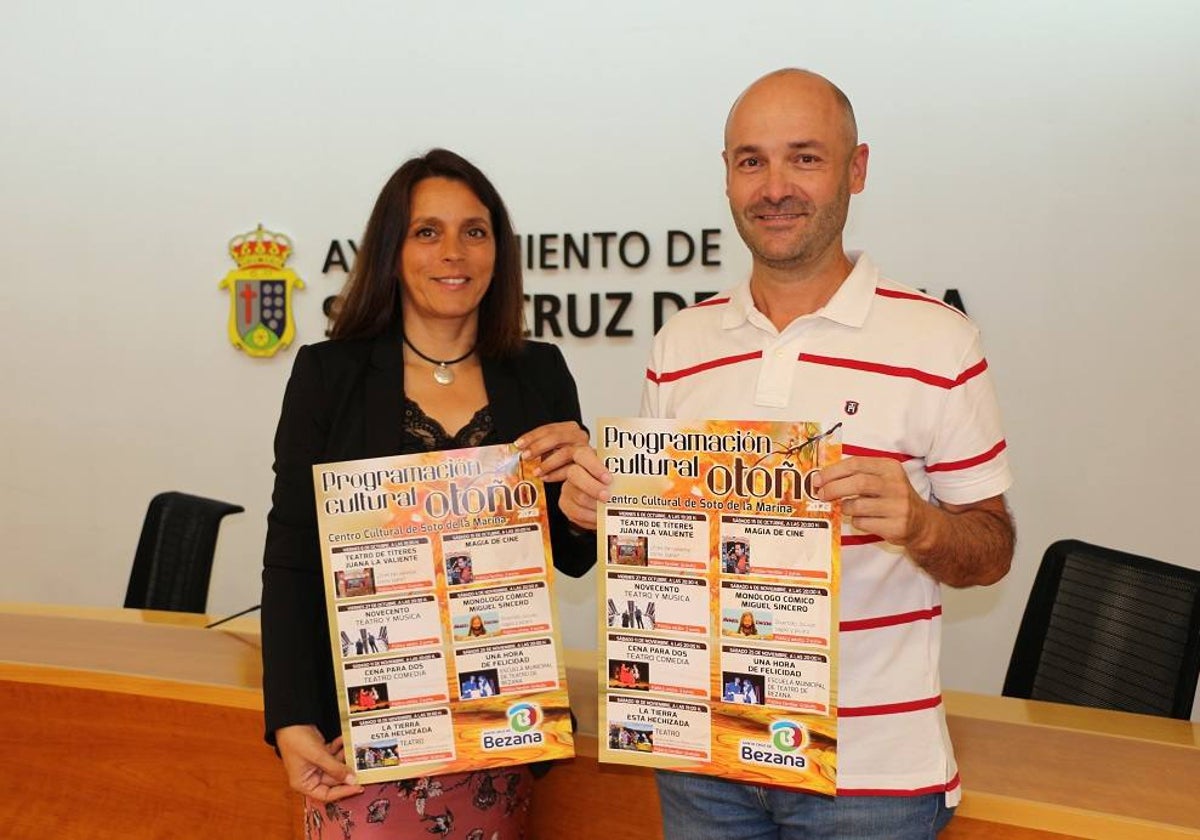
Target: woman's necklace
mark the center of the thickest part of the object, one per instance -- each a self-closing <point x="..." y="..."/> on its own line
<point x="442" y="374"/>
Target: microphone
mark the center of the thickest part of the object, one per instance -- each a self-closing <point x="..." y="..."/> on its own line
<point x="232" y="617"/>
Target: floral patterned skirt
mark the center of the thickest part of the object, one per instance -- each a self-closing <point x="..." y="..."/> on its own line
<point x="485" y="805"/>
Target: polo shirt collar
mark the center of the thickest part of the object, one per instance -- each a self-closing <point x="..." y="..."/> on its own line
<point x="741" y="304"/>
<point x="849" y="305"/>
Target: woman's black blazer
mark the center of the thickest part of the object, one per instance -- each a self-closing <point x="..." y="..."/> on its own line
<point x="345" y="401"/>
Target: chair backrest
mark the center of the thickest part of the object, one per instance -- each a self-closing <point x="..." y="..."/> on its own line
<point x="1109" y="629"/>
<point x="175" y="553"/>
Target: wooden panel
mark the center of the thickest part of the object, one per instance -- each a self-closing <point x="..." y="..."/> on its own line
<point x="134" y="723"/>
<point x="583" y="800"/>
<point x="91" y="764"/>
<point x="992" y="809"/>
<point x="965" y="828"/>
<point x="1117" y="776"/>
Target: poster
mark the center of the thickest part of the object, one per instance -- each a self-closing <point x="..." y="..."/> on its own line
<point x="442" y="619"/>
<point x="719" y="575"/>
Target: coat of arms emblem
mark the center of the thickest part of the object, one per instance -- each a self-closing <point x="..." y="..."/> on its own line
<point x="260" y="292"/>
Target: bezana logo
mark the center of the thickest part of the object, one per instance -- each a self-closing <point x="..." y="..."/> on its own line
<point x="787" y="736"/>
<point x="787" y="739"/>
<point x="524" y="716"/>
<point x="524" y="720"/>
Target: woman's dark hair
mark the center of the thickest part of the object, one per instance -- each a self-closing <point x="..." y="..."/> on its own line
<point x="370" y="302"/>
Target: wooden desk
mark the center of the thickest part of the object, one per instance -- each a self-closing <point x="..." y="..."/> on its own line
<point x="1078" y="771"/>
<point x="1030" y="770"/>
<point x="128" y="724"/>
<point x="137" y="724"/>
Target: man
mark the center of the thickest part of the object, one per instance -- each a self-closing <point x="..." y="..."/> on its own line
<point x="818" y="334"/>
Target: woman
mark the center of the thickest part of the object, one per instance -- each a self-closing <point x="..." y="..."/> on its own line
<point x="426" y="354"/>
<point x="626" y="678"/>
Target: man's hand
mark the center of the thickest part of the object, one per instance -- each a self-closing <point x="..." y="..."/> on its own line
<point x="586" y="486"/>
<point x="553" y="443"/>
<point x="960" y="545"/>
<point x="315" y="768"/>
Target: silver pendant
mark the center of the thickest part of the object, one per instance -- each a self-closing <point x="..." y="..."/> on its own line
<point x="442" y="375"/>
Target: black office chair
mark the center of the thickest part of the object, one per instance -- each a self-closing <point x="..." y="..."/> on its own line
<point x="1111" y="630"/>
<point x="175" y="553"/>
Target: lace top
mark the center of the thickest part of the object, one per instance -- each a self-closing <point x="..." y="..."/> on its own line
<point x="421" y="433"/>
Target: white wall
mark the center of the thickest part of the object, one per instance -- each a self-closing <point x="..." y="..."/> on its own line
<point x="1038" y="156"/>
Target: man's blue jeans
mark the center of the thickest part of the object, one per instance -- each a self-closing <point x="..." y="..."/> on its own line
<point x="709" y="808"/>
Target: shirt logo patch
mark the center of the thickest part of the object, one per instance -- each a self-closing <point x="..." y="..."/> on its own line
<point x="851" y="407"/>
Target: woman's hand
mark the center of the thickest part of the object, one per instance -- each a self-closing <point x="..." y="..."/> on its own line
<point x="555" y="444"/>
<point x="586" y="486"/>
<point x="315" y="768"/>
